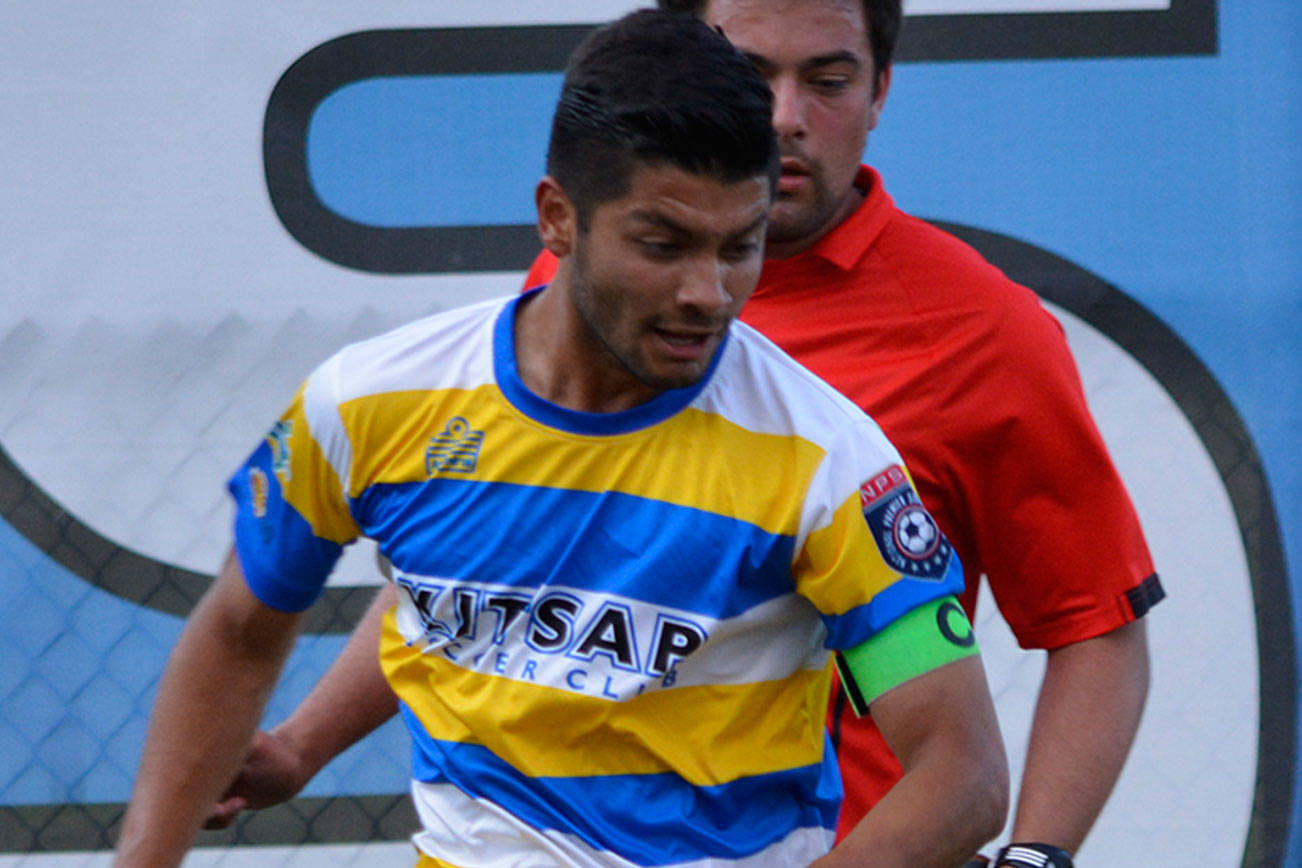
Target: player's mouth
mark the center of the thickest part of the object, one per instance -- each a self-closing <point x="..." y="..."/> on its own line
<point x="686" y="345"/>
<point x="794" y="175"/>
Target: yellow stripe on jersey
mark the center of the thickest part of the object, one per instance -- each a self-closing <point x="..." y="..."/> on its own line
<point x="708" y="735"/>
<point x="390" y="433"/>
<point x="425" y="861"/>
<point x="829" y="552"/>
<point x="320" y="501"/>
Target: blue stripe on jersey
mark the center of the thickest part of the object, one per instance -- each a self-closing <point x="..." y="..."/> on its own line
<point x="863" y="622"/>
<point x="640" y="817"/>
<point x="644" y="415"/>
<point x="603" y="541"/>
<point x="285" y="564"/>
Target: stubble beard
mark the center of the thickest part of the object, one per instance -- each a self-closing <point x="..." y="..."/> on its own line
<point x="599" y="316"/>
<point x="790" y="221"/>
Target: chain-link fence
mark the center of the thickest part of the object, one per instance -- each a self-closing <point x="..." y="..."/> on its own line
<point x="85" y="627"/>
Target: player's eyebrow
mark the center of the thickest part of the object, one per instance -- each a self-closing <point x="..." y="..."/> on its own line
<point x="758" y="223"/>
<point x="655" y="218"/>
<point x="767" y="66"/>
<point x="832" y="57"/>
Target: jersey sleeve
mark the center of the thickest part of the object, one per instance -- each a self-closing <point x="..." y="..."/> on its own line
<point x="292" y="516"/>
<point x="1055" y="530"/>
<point x="869" y="551"/>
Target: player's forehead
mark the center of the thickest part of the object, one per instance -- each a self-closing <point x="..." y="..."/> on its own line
<point x="793" y="31"/>
<point x="672" y="198"/>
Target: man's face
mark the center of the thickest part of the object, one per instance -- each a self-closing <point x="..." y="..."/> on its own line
<point x="660" y="273"/>
<point x="816" y="57"/>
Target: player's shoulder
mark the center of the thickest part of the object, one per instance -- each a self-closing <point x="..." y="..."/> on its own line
<point x="948" y="281"/>
<point x="759" y="385"/>
<point x="442" y="350"/>
<point x="947" y="270"/>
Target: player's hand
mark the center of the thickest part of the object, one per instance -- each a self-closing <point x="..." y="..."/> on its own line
<point x="273" y="772"/>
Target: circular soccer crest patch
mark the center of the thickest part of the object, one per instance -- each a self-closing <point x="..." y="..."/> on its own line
<point x="916" y="533"/>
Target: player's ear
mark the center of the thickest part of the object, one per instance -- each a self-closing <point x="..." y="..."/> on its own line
<point x="558" y="221"/>
<point x="881" y="87"/>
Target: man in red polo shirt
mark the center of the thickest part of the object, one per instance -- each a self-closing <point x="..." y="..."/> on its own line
<point x="973" y="381"/>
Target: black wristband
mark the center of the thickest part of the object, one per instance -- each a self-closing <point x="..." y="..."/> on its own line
<point x="1034" y="856"/>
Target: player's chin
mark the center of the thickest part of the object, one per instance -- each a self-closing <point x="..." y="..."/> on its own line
<point x="792" y="220"/>
<point x="673" y="375"/>
<point x="665" y="383"/>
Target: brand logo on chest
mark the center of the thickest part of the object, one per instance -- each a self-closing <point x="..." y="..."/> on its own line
<point x="455" y="449"/>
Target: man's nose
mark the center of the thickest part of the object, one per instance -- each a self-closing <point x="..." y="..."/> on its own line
<point x="702" y="286"/>
<point x="788" y="108"/>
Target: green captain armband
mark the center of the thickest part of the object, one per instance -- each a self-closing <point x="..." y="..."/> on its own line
<point x="919" y="641"/>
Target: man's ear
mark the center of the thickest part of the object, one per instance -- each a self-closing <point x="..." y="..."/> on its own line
<point x="558" y="222"/>
<point x="882" y="87"/>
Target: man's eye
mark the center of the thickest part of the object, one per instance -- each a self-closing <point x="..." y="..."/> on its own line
<point x="741" y="250"/>
<point x="656" y="247"/>
<point x="831" y="84"/>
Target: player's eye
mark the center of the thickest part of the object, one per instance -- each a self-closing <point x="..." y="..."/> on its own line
<point x="830" y="84"/>
<point x="658" y="246"/>
<point x="740" y="250"/>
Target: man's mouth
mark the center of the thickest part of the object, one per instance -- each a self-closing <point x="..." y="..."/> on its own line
<point x="793" y="166"/>
<point x="794" y="175"/>
<point x="685" y="344"/>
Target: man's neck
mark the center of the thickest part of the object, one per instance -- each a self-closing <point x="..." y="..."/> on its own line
<point x="559" y="361"/>
<point x="787" y="249"/>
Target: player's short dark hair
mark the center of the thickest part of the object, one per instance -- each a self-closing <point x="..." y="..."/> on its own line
<point x="882" y="16"/>
<point x="654" y="87"/>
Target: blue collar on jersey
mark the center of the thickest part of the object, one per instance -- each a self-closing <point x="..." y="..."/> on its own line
<point x="645" y="415"/>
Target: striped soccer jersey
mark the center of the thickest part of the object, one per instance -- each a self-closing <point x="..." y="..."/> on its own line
<point x="613" y="641"/>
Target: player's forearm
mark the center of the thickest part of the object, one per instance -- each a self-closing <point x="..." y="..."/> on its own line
<point x="932" y="818"/>
<point x="953" y="796"/>
<point x="350" y="701"/>
<point x="1085" y="722"/>
<point x="211" y="696"/>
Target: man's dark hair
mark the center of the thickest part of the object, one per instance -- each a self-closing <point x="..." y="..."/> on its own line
<point x="655" y="87"/>
<point x="883" y="18"/>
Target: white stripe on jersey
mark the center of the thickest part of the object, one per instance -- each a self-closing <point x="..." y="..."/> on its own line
<point x="475" y="832"/>
<point x="768" y="642"/>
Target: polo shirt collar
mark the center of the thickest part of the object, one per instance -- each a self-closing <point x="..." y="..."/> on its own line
<point x="845" y="245"/>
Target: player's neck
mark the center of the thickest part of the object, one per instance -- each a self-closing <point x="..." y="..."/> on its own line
<point x="559" y="361"/>
<point x="787" y="249"/>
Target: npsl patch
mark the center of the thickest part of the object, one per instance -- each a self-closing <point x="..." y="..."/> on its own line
<point x="908" y="538"/>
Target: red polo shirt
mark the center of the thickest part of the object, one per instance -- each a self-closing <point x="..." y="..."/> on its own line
<point x="973" y="382"/>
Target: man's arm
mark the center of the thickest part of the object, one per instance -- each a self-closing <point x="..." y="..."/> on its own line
<point x="1089" y="708"/>
<point x="954" y="793"/>
<point x="213" y="690"/>
<point x="349" y="702"/>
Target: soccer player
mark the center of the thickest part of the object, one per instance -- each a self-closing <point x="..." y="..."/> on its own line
<point x="973" y="381"/>
<point x="629" y="534"/>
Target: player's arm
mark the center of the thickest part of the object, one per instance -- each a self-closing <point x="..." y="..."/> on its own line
<point x="350" y="701"/>
<point x="211" y="696"/>
<point x="941" y="725"/>
<point x="1085" y="720"/>
<point x="1062" y="575"/>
